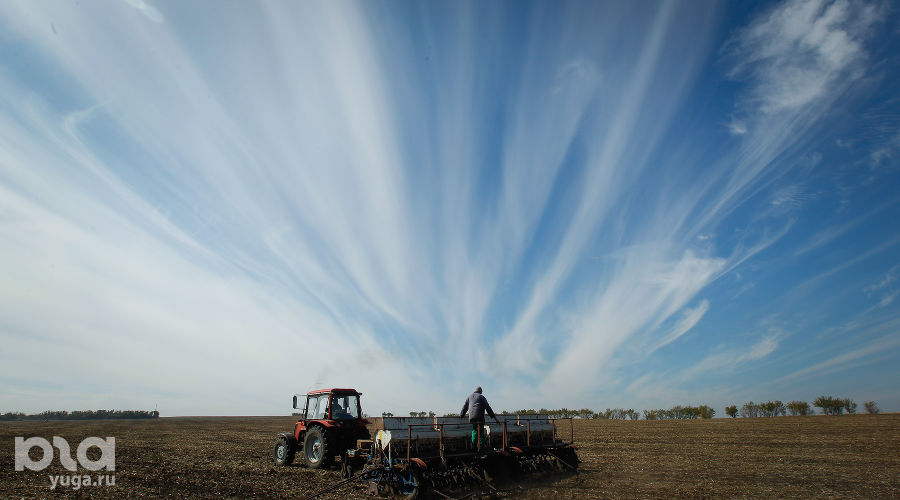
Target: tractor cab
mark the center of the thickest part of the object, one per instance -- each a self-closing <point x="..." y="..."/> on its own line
<point x="329" y="404"/>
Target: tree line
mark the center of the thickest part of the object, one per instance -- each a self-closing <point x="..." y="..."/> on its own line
<point x="828" y="404"/>
<point x="676" y="412"/>
<point x="81" y="415"/>
<point x="680" y="412"/>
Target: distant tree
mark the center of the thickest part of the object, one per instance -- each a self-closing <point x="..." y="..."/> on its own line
<point x="825" y="403"/>
<point x="387" y="414"/>
<point x="633" y="415"/>
<point x="519" y="412"/>
<point x="651" y="415"/>
<point x="706" y="411"/>
<point x="750" y="410"/>
<point x="615" y="414"/>
<point x="771" y="408"/>
<point x="831" y="405"/>
<point x="431" y="414"/>
<point x="850" y="406"/>
<point x="731" y="411"/>
<point x="871" y="407"/>
<point x="799" y="408"/>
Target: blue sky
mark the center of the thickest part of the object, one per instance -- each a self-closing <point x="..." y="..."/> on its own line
<point x="210" y="206"/>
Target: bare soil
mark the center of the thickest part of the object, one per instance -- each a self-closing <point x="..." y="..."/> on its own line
<point x="853" y="456"/>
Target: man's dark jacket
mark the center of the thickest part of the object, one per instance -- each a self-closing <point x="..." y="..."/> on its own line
<point x="477" y="404"/>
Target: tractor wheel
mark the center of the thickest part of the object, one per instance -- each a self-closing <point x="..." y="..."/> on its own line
<point x="284" y="451"/>
<point x="317" y="448"/>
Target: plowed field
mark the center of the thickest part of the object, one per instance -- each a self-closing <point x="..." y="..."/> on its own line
<point x="854" y="456"/>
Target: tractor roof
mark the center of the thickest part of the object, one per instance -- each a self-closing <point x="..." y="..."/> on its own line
<point x="323" y="391"/>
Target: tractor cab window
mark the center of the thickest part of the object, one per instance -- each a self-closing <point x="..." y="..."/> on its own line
<point x="344" y="406"/>
<point x="316" y="407"/>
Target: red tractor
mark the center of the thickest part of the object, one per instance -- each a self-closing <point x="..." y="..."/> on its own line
<point x="330" y="424"/>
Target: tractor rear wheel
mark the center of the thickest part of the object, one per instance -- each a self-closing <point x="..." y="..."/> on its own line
<point x="318" y="448"/>
<point x="284" y="451"/>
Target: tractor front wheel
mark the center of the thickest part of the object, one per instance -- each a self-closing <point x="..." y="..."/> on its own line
<point x="317" y="448"/>
<point x="284" y="451"/>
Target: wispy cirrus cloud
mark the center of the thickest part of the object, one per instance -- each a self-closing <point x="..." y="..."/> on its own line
<point x="689" y="319"/>
<point x="881" y="346"/>
<point x="887" y="280"/>
<point x="732" y="359"/>
<point x="803" y="51"/>
<point x="339" y="193"/>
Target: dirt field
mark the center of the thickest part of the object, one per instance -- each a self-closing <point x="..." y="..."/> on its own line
<point x="812" y="457"/>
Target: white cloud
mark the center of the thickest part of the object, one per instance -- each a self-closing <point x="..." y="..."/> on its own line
<point x="887" y="299"/>
<point x="762" y="349"/>
<point x="880" y="345"/>
<point x="737" y="128"/>
<point x="886" y="281"/>
<point x="688" y="320"/>
<point x="730" y="360"/>
<point x="803" y="51"/>
<point x="645" y="291"/>
<point x="886" y="151"/>
<point x="834" y="231"/>
<point x="205" y="236"/>
<point x="151" y="12"/>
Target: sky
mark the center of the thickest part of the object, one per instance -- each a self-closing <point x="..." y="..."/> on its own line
<point x="207" y="207"/>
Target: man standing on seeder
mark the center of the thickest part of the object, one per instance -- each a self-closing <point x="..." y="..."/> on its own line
<point x="477" y="404"/>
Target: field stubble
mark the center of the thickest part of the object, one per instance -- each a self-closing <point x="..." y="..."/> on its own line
<point x="854" y="456"/>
